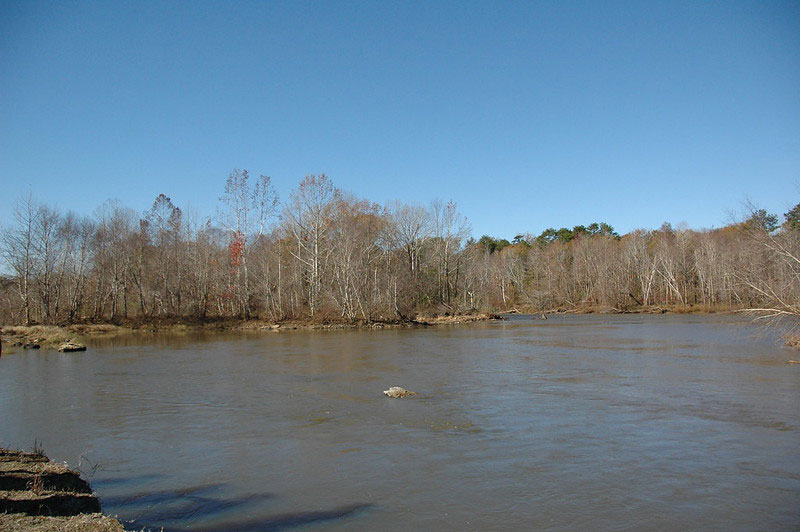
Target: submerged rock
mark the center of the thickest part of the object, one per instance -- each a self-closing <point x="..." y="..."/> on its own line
<point x="71" y="346"/>
<point x="398" y="392"/>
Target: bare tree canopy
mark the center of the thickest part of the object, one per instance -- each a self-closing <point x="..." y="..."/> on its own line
<point x="332" y="255"/>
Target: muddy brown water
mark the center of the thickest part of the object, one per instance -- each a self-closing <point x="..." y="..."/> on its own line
<point x="574" y="423"/>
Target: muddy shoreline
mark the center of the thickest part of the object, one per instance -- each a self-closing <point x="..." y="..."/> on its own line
<point x="19" y="337"/>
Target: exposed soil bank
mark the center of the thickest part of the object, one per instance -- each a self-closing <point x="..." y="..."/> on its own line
<point x="53" y="336"/>
<point x="39" y="495"/>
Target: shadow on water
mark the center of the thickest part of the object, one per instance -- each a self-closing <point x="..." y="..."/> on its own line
<point x="163" y="509"/>
<point x="289" y="520"/>
<point x="151" y="498"/>
<point x="122" y="481"/>
<point x="197" y="507"/>
<point x="169" y="506"/>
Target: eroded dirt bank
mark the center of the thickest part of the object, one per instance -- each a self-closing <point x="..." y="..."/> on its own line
<point x="39" y="495"/>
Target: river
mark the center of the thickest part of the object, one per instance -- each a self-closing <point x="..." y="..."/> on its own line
<point x="626" y="422"/>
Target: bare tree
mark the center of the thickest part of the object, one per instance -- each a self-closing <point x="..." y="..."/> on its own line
<point x="78" y="233"/>
<point x="48" y="251"/>
<point x="19" y="249"/>
<point x="409" y="226"/>
<point x="112" y="257"/>
<point x="773" y="274"/>
<point x="162" y="227"/>
<point x="355" y="253"/>
<point x="248" y="208"/>
<point x="308" y="216"/>
<point x="450" y="229"/>
<point x="642" y="264"/>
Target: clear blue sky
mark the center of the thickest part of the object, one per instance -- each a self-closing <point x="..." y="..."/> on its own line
<point x="527" y="114"/>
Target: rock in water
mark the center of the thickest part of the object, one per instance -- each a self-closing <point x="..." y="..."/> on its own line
<point x="71" y="346"/>
<point x="397" y="392"/>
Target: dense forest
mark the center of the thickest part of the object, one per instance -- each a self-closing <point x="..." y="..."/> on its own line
<point x="328" y="255"/>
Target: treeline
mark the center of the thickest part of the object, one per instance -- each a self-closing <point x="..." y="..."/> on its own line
<point x="327" y="255"/>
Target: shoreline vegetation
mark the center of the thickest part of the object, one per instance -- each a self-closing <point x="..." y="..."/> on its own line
<point x="53" y="336"/>
<point x="325" y="258"/>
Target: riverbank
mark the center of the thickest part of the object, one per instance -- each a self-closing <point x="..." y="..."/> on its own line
<point x="38" y="495"/>
<point x="791" y="340"/>
<point x="52" y="336"/>
<point x="643" y="309"/>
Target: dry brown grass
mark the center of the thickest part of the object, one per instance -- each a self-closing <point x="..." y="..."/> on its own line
<point x="459" y="318"/>
<point x="51" y="488"/>
<point x="49" y="336"/>
<point x="78" y="523"/>
<point x="36" y="485"/>
<point x="95" y="328"/>
<point x="698" y="309"/>
<point x="792" y="340"/>
<point x="45" y="335"/>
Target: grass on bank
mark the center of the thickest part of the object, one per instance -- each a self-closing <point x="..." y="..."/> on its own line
<point x="792" y="340"/>
<point x="53" y="335"/>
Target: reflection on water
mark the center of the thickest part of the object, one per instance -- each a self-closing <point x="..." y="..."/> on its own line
<point x="577" y="422"/>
